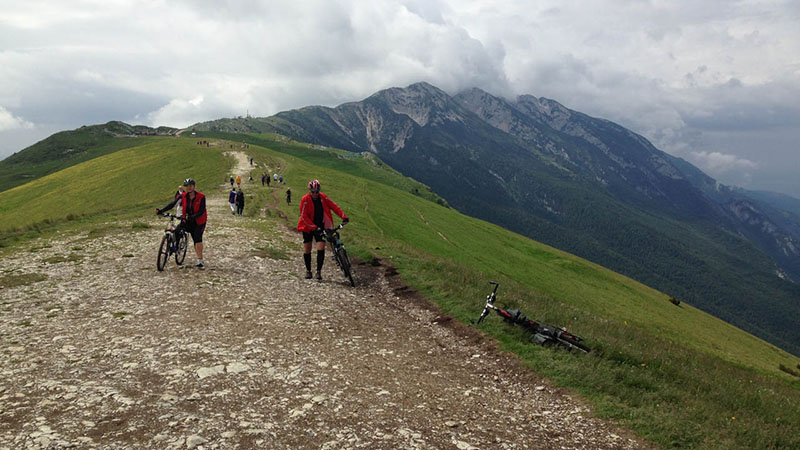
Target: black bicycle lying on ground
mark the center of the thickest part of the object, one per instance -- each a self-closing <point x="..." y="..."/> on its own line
<point x="172" y="243"/>
<point x="540" y="333"/>
<point x="340" y="253"/>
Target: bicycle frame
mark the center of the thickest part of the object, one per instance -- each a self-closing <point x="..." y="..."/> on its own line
<point x="170" y="231"/>
<point x="332" y="236"/>
<point x="540" y="333"/>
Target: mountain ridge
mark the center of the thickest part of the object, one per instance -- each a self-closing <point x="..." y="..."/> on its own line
<point x="586" y="185"/>
<point x="582" y="184"/>
<point x="70" y="147"/>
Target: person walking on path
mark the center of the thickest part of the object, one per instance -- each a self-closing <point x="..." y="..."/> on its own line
<point x="240" y="202"/>
<point x="232" y="199"/>
<point x="178" y="194"/>
<point x="280" y="180"/>
<point x="239" y="180"/>
<point x="315" y="218"/>
<point x="268" y="178"/>
<point x="262" y="180"/>
<point x="288" y="196"/>
<point x="193" y="219"/>
<point x="231" y="180"/>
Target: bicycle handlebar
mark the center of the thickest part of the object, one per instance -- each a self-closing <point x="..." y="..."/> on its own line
<point x="489" y="302"/>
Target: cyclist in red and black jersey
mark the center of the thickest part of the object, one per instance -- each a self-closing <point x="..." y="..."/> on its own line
<point x="194" y="215"/>
<point x="315" y="218"/>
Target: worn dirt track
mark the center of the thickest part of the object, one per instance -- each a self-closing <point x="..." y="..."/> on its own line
<point x="106" y="352"/>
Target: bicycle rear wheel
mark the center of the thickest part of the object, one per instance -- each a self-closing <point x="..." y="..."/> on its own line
<point x="576" y="344"/>
<point x="183" y="244"/>
<point x="163" y="253"/>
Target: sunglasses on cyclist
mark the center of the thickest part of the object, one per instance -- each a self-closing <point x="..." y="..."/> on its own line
<point x="315" y="191"/>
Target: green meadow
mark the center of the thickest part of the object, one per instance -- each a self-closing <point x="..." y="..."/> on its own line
<point x="673" y="374"/>
<point x="126" y="183"/>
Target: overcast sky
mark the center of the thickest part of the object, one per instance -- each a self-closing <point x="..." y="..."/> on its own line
<point x="716" y="82"/>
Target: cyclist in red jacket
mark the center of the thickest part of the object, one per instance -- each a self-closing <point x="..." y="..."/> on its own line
<point x="315" y="218"/>
<point x="194" y="215"/>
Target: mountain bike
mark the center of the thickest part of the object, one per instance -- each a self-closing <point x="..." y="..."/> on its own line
<point x="172" y="243"/>
<point x="540" y="333"/>
<point x="340" y="253"/>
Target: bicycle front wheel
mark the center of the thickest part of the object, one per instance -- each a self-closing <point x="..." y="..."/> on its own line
<point x="183" y="244"/>
<point x="344" y="263"/>
<point x="163" y="254"/>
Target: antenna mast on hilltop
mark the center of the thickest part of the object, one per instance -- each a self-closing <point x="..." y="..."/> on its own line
<point x="248" y="113"/>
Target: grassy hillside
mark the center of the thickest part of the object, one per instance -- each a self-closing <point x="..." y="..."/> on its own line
<point x="68" y="148"/>
<point x="128" y="182"/>
<point x="674" y="374"/>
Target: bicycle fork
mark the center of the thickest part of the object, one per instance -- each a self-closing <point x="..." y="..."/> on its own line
<point x="335" y="251"/>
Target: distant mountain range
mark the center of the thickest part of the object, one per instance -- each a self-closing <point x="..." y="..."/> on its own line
<point x="582" y="184"/>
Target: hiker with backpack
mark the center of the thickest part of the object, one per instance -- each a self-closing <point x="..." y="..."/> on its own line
<point x="232" y="199"/>
<point x="240" y="202"/>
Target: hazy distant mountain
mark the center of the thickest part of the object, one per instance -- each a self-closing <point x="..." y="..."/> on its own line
<point x="582" y="184"/>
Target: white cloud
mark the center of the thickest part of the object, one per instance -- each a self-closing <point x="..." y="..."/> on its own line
<point x="678" y="72"/>
<point x="717" y="163"/>
<point x="9" y="122"/>
<point x="179" y="112"/>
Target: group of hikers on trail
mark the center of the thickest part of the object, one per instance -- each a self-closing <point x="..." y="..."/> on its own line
<point x="315" y="218"/>
<point x="265" y="179"/>
<point x="236" y="200"/>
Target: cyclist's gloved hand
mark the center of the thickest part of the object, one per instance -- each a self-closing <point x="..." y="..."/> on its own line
<point x="345" y="220"/>
<point x="158" y="212"/>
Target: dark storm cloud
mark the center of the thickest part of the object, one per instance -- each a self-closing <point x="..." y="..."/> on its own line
<point x="87" y="103"/>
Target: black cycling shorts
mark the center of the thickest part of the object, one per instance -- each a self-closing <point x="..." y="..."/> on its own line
<point x="196" y="231"/>
<point x="318" y="235"/>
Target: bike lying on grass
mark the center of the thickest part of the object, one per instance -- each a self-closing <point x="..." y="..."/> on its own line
<point x="340" y="253"/>
<point x="540" y="333"/>
<point x="172" y="243"/>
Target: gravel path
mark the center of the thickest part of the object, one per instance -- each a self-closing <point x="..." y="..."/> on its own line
<point x="106" y="352"/>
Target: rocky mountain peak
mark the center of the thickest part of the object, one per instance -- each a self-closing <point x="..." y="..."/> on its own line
<point x="480" y="101"/>
<point x="422" y="102"/>
<point x="496" y="111"/>
<point x="548" y="111"/>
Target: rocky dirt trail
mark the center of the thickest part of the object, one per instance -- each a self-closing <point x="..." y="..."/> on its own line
<point x="106" y="352"/>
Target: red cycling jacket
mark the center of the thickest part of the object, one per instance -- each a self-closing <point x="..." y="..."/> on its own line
<point x="306" y="222"/>
<point x="197" y="205"/>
